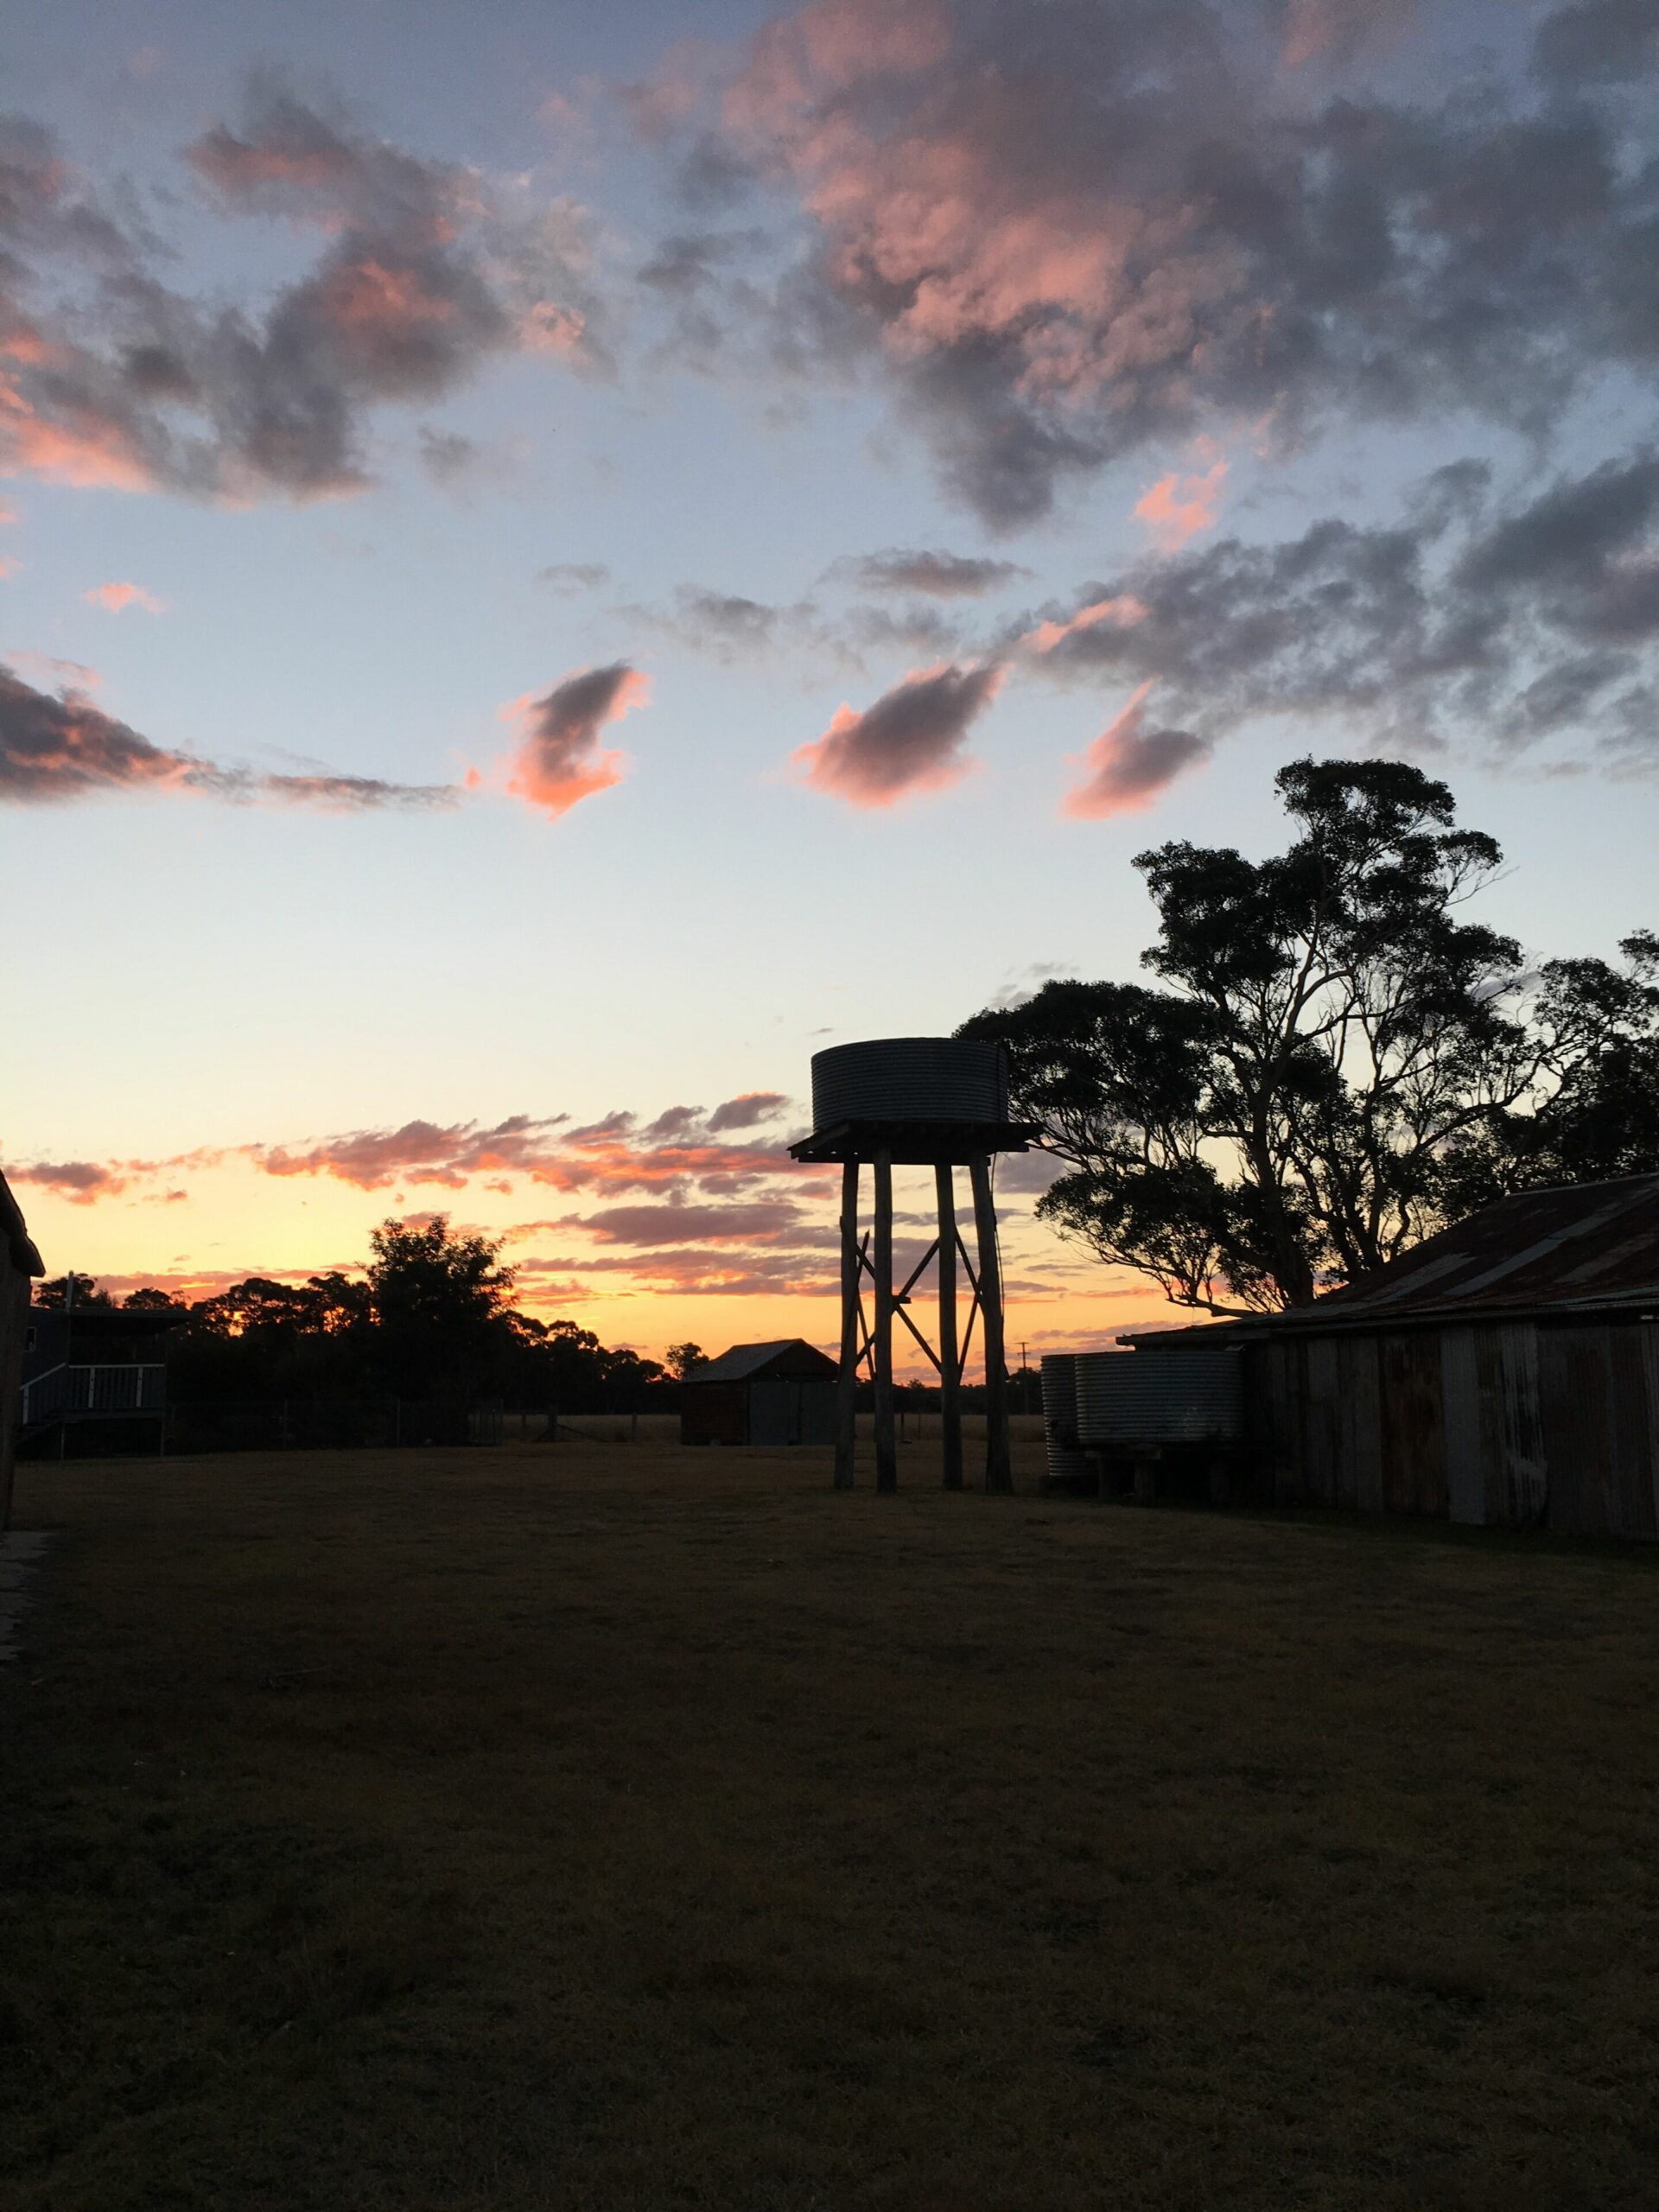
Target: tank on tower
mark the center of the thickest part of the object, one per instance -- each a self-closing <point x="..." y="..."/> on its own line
<point x="914" y="1083"/>
<point x="936" y="1102"/>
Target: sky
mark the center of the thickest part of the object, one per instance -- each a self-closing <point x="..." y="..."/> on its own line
<point x="553" y="566"/>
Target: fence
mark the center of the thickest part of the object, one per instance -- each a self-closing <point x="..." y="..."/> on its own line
<point x="356" y="1424"/>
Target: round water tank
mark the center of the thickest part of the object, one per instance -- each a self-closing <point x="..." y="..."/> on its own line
<point x="910" y="1079"/>
<point x="1067" y="1461"/>
<point x="1148" y="1398"/>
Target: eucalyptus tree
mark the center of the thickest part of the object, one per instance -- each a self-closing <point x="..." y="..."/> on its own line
<point x="1336" y="1058"/>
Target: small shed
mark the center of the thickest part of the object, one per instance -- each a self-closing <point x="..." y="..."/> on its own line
<point x="781" y="1393"/>
<point x="19" y="1260"/>
<point x="1505" y="1372"/>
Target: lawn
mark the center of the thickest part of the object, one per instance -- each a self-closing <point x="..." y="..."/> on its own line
<point x="614" y="1828"/>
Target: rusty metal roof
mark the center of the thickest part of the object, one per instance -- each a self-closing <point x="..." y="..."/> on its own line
<point x="788" y="1356"/>
<point x="1560" y="1251"/>
<point x="14" y="1235"/>
<point x="1594" y="1243"/>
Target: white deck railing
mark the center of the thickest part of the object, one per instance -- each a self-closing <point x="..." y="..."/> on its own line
<point x="125" y="1387"/>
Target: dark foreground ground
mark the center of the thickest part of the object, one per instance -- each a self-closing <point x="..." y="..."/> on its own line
<point x="620" y="1828"/>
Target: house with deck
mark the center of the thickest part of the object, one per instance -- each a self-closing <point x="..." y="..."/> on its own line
<point x="19" y="1264"/>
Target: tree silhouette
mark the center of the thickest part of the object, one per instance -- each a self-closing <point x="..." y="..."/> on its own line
<point x="1337" y="1061"/>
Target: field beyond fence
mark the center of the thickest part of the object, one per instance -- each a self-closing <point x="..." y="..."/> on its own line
<point x="462" y="1830"/>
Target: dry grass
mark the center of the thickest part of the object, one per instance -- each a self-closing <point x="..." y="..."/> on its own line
<point x="523" y="1829"/>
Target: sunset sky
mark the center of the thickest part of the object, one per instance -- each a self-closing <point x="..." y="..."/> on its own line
<point x="552" y="566"/>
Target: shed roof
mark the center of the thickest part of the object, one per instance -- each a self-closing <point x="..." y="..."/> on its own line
<point x="15" y="1236"/>
<point x="1556" y="1251"/>
<point x="1588" y="1243"/>
<point x="744" y="1363"/>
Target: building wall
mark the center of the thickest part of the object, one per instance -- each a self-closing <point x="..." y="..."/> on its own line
<point x="14" y="1321"/>
<point x="714" y="1413"/>
<point x="1512" y="1425"/>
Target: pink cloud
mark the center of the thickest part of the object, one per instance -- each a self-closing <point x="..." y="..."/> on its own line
<point x="419" y="1152"/>
<point x="115" y="596"/>
<point x="910" y="740"/>
<point x="83" y="1182"/>
<point x="1121" y="612"/>
<point x="74" y="675"/>
<point x="1177" y="507"/>
<point x="557" y="763"/>
<point x="66" y="747"/>
<point x="550" y="327"/>
<point x="79" y="445"/>
<point x="802" y="59"/>
<point x="1128" y="765"/>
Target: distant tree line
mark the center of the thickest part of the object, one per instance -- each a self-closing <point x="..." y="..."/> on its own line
<point x="1334" y="1062"/>
<point x="431" y="1318"/>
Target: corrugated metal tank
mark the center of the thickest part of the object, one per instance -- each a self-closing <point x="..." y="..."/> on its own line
<point x="1137" y="1397"/>
<point x="910" y="1079"/>
<point x="1067" y="1460"/>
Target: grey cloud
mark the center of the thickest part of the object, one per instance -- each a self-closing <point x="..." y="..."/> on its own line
<point x="673" y="1121"/>
<point x="910" y="740"/>
<point x="568" y="577"/>
<point x="728" y="626"/>
<point x="1505" y="622"/>
<point x="941" y="576"/>
<point x="1607" y="41"/>
<point x="447" y="457"/>
<point x="747" y="1110"/>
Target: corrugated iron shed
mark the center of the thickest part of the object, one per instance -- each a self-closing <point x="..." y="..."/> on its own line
<point x="785" y="1355"/>
<point x="1505" y="1372"/>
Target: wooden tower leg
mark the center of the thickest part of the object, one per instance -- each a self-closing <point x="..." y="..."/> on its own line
<point x="886" y="1455"/>
<point x="847" y="1381"/>
<point x="999" y="1467"/>
<point x="949" y="1381"/>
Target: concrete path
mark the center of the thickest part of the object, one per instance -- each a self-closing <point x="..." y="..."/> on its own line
<point x="20" y="1551"/>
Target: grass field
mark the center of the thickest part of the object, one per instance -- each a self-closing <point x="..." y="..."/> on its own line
<point x="475" y="1832"/>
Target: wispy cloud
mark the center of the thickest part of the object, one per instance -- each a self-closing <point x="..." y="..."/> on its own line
<point x="936" y="574"/>
<point x="116" y="596"/>
<point x="54" y="748"/>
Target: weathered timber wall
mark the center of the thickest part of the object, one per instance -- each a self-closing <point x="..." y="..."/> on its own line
<point x="1512" y="1425"/>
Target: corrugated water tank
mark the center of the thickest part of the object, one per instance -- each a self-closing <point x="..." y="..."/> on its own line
<point x="910" y="1079"/>
<point x="1142" y="1397"/>
<point x="1067" y="1460"/>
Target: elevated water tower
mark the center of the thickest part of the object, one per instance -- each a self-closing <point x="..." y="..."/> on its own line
<point x="931" y="1102"/>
